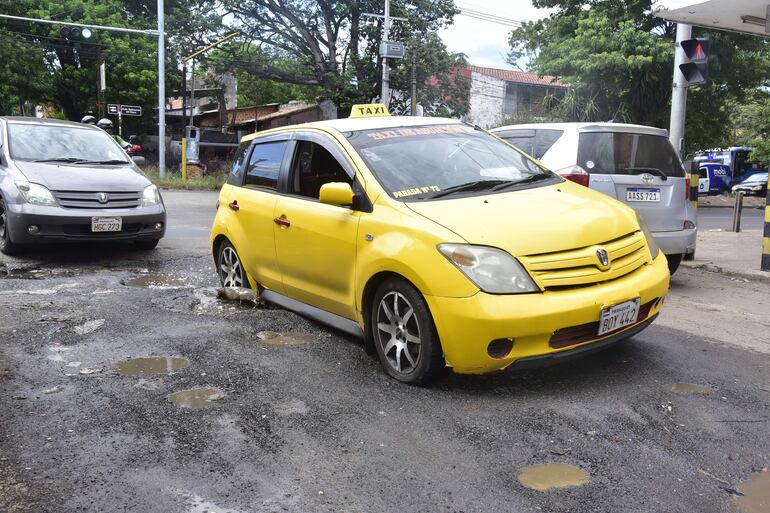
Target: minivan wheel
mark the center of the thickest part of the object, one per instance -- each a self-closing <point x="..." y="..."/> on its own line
<point x="230" y="268"/>
<point x="6" y="246"/>
<point x="673" y="262"/>
<point x="404" y="333"/>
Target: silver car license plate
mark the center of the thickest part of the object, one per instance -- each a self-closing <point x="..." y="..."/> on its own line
<point x="619" y="316"/>
<point x="639" y="194"/>
<point x="106" y="224"/>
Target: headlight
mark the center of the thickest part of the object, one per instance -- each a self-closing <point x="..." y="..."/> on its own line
<point x="36" y="194"/>
<point x="654" y="249"/>
<point x="151" y="196"/>
<point x="756" y="188"/>
<point x="490" y="269"/>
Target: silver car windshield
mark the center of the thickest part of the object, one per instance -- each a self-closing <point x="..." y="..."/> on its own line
<point x="37" y="142"/>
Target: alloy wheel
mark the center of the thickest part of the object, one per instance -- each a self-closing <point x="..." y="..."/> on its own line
<point x="398" y="332"/>
<point x="230" y="268"/>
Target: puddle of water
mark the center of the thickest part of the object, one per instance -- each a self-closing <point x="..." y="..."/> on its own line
<point x="151" y="365"/>
<point x="552" y="475"/>
<point x="688" y="388"/>
<point x="291" y="338"/>
<point x="196" y="398"/>
<point x="756" y="493"/>
<point x="156" y="281"/>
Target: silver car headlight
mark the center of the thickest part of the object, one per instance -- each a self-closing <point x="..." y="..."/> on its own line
<point x="150" y="196"/>
<point x="654" y="248"/>
<point x="36" y="194"/>
<point x="490" y="269"/>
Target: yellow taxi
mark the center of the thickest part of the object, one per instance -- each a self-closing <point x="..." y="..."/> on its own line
<point x="438" y="243"/>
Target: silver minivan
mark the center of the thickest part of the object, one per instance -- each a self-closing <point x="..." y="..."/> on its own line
<point x="632" y="163"/>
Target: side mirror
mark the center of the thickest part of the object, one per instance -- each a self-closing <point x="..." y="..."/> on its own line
<point x="336" y="193"/>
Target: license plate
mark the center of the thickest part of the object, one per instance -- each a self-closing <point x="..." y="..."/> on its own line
<point x="636" y="194"/>
<point x="619" y="316"/>
<point x="106" y="224"/>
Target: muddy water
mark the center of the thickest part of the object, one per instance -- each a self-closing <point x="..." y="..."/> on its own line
<point x="552" y="475"/>
<point x="156" y="281"/>
<point x="196" y="398"/>
<point x="151" y="365"/>
<point x="290" y="338"/>
<point x="688" y="388"/>
<point x="756" y="493"/>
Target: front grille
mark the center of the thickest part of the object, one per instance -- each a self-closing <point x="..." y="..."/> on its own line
<point x="90" y="200"/>
<point x="566" y="337"/>
<point x="85" y="229"/>
<point x="581" y="267"/>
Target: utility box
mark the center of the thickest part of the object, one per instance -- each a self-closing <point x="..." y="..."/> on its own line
<point x="392" y="50"/>
<point x="193" y="135"/>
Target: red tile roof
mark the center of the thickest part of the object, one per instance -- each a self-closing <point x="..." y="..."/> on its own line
<point x="520" y="77"/>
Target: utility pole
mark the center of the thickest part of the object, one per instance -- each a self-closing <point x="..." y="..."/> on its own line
<point x="385" y="95"/>
<point x="161" y="91"/>
<point x="679" y="94"/>
<point x="414" y="80"/>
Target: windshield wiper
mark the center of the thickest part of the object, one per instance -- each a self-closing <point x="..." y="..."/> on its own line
<point x="478" y="185"/>
<point x="524" y="181"/>
<point x="109" y="161"/>
<point x="651" y="170"/>
<point x="60" y="159"/>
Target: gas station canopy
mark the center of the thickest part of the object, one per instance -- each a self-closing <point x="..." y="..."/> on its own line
<point x="750" y="16"/>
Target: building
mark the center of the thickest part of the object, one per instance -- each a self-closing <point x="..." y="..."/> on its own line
<point x="500" y="96"/>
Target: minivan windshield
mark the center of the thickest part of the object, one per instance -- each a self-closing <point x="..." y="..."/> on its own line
<point x="623" y="153"/>
<point x="427" y="162"/>
<point x="62" y="143"/>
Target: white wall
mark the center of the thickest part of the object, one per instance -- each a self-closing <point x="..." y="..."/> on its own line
<point x="487" y="96"/>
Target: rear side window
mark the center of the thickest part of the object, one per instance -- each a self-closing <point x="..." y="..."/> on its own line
<point x="534" y="142"/>
<point x="265" y="164"/>
<point x="239" y="164"/>
<point x="617" y="153"/>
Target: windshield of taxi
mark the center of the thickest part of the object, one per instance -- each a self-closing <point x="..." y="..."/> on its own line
<point x="434" y="161"/>
<point x="62" y="143"/>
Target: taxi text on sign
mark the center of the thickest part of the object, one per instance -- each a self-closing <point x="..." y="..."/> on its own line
<point x="369" y="111"/>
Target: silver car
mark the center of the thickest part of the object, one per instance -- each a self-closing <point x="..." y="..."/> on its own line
<point x="64" y="181"/>
<point x="631" y="163"/>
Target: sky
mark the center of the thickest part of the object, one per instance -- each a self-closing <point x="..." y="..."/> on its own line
<point x="486" y="43"/>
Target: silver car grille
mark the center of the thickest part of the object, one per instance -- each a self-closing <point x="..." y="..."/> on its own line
<point x="98" y="200"/>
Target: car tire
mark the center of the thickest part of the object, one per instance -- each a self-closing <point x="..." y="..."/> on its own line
<point x="7" y="247"/>
<point x="146" y="245"/>
<point x="404" y="333"/>
<point x="230" y="268"/>
<point x="673" y="262"/>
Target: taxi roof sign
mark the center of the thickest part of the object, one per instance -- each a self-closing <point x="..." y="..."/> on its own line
<point x="369" y="110"/>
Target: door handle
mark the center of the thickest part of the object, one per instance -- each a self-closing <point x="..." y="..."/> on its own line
<point x="234" y="205"/>
<point x="282" y="221"/>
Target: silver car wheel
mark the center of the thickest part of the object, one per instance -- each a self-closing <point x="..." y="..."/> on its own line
<point x="230" y="268"/>
<point x="398" y="332"/>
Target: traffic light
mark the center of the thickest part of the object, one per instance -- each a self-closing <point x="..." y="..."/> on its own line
<point x="695" y="68"/>
<point x="71" y="33"/>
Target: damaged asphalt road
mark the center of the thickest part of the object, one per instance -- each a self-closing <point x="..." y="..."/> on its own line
<point x="295" y="417"/>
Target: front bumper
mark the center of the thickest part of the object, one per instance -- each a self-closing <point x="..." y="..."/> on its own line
<point x="679" y="242"/>
<point x="58" y="224"/>
<point x="466" y="326"/>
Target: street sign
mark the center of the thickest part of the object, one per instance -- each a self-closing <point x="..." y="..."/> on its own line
<point x="124" y="110"/>
<point x="392" y="50"/>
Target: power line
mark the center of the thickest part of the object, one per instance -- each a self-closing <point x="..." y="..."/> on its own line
<point x="490" y="19"/>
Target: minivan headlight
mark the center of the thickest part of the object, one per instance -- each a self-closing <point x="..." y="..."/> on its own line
<point x="36" y="194"/>
<point x="490" y="269"/>
<point x="150" y="196"/>
<point x="654" y="248"/>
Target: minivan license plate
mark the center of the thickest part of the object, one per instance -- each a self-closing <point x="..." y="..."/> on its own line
<point x="637" y="194"/>
<point x="106" y="224"/>
<point x="619" y="316"/>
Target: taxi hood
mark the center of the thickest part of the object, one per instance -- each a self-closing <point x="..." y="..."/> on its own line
<point x="531" y="221"/>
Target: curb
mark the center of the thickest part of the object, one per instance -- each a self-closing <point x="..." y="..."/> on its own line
<point x="712" y="268"/>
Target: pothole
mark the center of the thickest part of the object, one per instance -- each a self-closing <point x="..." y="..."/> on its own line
<point x="756" y="493"/>
<point x="688" y="388"/>
<point x="156" y="281"/>
<point x="151" y="365"/>
<point x="196" y="398"/>
<point x="548" y="476"/>
<point x="290" y="338"/>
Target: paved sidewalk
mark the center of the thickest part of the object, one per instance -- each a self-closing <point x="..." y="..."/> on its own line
<point x="733" y="254"/>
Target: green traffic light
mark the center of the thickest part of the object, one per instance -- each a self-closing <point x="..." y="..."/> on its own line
<point x="85" y="33"/>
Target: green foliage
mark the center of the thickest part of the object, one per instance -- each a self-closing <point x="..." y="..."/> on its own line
<point x="617" y="58"/>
